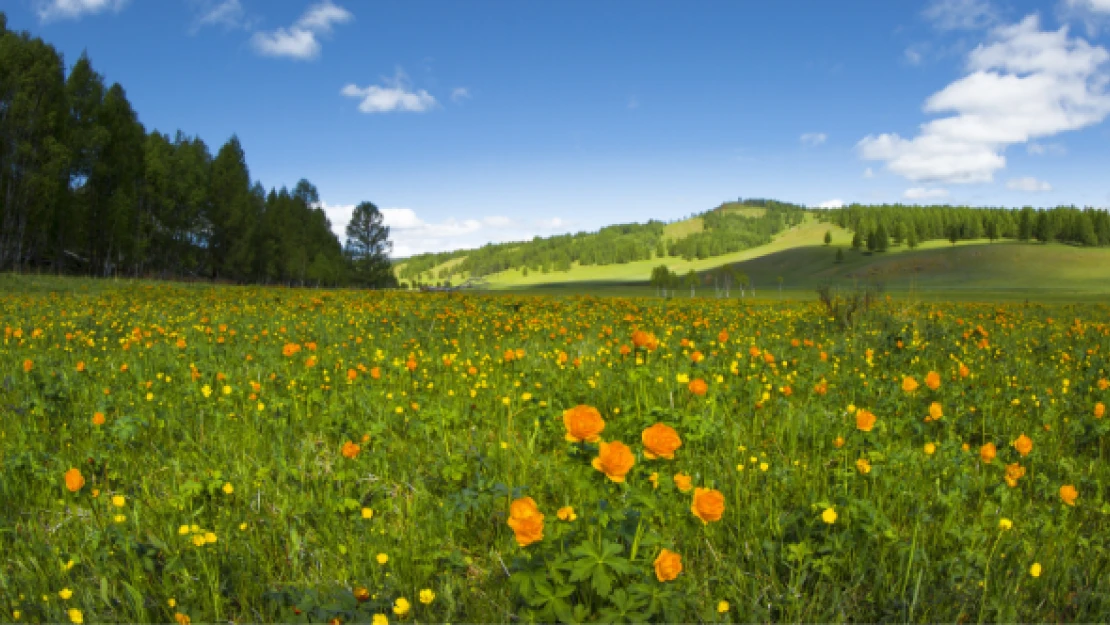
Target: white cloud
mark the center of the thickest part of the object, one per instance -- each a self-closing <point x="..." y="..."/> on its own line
<point x="1024" y="84"/>
<point x="300" y="41"/>
<point x="1045" y="149"/>
<point x="922" y="193"/>
<point x="1029" y="184"/>
<point x="458" y="94"/>
<point x="412" y="235"/>
<point x="868" y="173"/>
<point x="73" y="9"/>
<point x="831" y="204"/>
<point x="960" y="14"/>
<point x="1094" y="6"/>
<point x="913" y="56"/>
<point x="813" y="139"/>
<point x="226" y="13"/>
<point x="396" y="95"/>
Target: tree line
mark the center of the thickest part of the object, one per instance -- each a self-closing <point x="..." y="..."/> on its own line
<point x="86" y="189"/>
<point x="877" y="227"/>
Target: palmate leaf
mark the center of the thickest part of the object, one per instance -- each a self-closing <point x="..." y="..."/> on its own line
<point x="598" y="565"/>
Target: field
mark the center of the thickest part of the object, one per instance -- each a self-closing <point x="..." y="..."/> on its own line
<point x="196" y="453"/>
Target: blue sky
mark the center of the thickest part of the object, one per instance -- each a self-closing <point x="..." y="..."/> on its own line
<point x="469" y="121"/>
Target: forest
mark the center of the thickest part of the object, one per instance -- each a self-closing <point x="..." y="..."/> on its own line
<point x="86" y="189"/>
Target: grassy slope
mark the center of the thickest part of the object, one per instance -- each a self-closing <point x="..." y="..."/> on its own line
<point x="809" y="233"/>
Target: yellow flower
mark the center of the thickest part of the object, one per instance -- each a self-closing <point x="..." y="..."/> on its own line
<point x="722" y="607"/>
<point x="566" y="513"/>
<point x="65" y="593"/>
<point x="1035" y="570"/>
<point x="379" y="619"/>
<point x="228" y="488"/>
<point x="1005" y="524"/>
<point x="183" y="530"/>
<point x="198" y="540"/>
<point x="382" y="558"/>
<point x="209" y="537"/>
<point x="119" y="518"/>
<point x="367" y="513"/>
<point x="682" y="378"/>
<point x="119" y="501"/>
<point x="401" y="606"/>
<point x="863" y="466"/>
<point x="75" y="616"/>
<point x="171" y="602"/>
<point x="206" y="391"/>
<point x="829" y="516"/>
<point x="930" y="449"/>
<point x="427" y="596"/>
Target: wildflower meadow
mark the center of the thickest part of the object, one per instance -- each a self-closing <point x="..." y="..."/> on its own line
<point x="196" y="454"/>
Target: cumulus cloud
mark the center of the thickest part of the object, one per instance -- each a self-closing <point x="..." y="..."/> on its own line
<point x="837" y="203"/>
<point x="301" y="40"/>
<point x="960" y="14"/>
<point x="1029" y="184"/>
<point x="923" y="193"/>
<point x="411" y="234"/>
<point x="813" y="138"/>
<point x="458" y="94"/>
<point x="395" y="95"/>
<point x="868" y="173"/>
<point x="1045" y="149"/>
<point x="49" y="10"/>
<point x="1023" y="85"/>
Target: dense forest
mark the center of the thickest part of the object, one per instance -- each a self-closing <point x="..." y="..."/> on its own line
<point x="86" y="189"/>
<point x="725" y="230"/>
<point x="875" y="228"/>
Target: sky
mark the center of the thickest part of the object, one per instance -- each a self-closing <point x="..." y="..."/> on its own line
<point x="470" y="121"/>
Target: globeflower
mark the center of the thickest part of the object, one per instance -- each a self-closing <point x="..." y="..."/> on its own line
<point x="936" y="411"/>
<point x="1014" y="472"/>
<point x="1100" y="410"/>
<point x="864" y="420"/>
<point x="683" y="482"/>
<point x="698" y="386"/>
<point x="583" y="423"/>
<point x="1068" y="494"/>
<point x="1023" y="445"/>
<point x="427" y="596"/>
<point x="526" y="520"/>
<point x="829" y="516"/>
<point x="401" y="606"/>
<point x="668" y="565"/>
<point x="614" y="459"/>
<point x="932" y="380"/>
<point x="708" y="505"/>
<point x="74" y="480"/>
<point x="350" y="450"/>
<point x="909" y="384"/>
<point x="988" y="452"/>
<point x="566" y="513"/>
<point x="660" y="441"/>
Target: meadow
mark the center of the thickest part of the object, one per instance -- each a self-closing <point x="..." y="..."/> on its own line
<point x="188" y="453"/>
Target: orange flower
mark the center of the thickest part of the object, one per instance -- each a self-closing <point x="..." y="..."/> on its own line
<point x="98" y="418"/>
<point x="566" y="513"/>
<point x="668" y="565"/>
<point x="1023" y="445"/>
<point x="376" y="373"/>
<point x="1100" y="410"/>
<point x="74" y="480"/>
<point x="864" y="420"/>
<point x="932" y="380"/>
<point x="350" y="450"/>
<point x="290" y="349"/>
<point x="644" y="340"/>
<point x="352" y="374"/>
<point x="988" y="452"/>
<point x="410" y="364"/>
<point x="80" y="366"/>
<point x="583" y="423"/>
<point x="838" y="442"/>
<point x="722" y="336"/>
<point x="964" y="371"/>
<point x="1103" y="384"/>
<point x="935" y="412"/>
<point x="698" y="386"/>
<point x="1014" y="472"/>
<point x="697" y="357"/>
<point x="28" y="365"/>
<point x="909" y="384"/>
<point x="1069" y="494"/>
<point x="708" y="505"/>
<point x="683" y="482"/>
<point x="526" y="520"/>
<point x="614" y="459"/>
<point x="660" y="441"/>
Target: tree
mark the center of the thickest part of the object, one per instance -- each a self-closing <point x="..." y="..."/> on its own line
<point x="882" y="239"/>
<point x="839" y="255"/>
<point x="368" y="246"/>
<point x="231" y="216"/>
<point x="691" y="281"/>
<point x="857" y="241"/>
<point x="911" y="238"/>
<point x="991" y="228"/>
<point x="828" y="237"/>
<point x="661" y="278"/>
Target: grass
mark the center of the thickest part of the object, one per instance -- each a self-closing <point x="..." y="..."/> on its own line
<point x="211" y="453"/>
